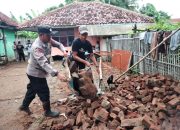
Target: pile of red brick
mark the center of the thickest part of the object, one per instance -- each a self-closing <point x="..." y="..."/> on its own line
<point x="142" y="102"/>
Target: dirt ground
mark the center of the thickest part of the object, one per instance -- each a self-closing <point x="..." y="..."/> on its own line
<point x="13" y="81"/>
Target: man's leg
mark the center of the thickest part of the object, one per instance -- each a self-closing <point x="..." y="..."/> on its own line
<point x="19" y="56"/>
<point x="43" y="93"/>
<point x="30" y="95"/>
<point x="23" y="56"/>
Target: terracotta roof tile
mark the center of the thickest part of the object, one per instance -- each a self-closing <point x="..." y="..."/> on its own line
<point x="7" y="20"/>
<point x="87" y="13"/>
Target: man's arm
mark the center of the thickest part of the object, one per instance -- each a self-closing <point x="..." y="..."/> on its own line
<point x="92" y="57"/>
<point x="58" y="45"/>
<point x="77" y="58"/>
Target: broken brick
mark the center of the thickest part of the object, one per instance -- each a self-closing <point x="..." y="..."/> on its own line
<point x="116" y="110"/>
<point x="147" y="99"/>
<point x="101" y="114"/>
<point x="122" y="107"/>
<point x="162" y="115"/>
<point x="156" y="89"/>
<point x="174" y="102"/>
<point x="95" y="105"/>
<point x="177" y="89"/>
<point x="154" y="101"/>
<point x="102" y="126"/>
<point x="147" y="121"/>
<point x="133" y="107"/>
<point x="131" y="122"/>
<point x="69" y="123"/>
<point x="113" y="116"/>
<point x="90" y="112"/>
<point x="138" y="128"/>
<point x="80" y="118"/>
<point x="85" y="125"/>
<point x="106" y="104"/>
<point x="113" y="124"/>
<point x="143" y="92"/>
<point x="121" y="115"/>
<point x="161" y="106"/>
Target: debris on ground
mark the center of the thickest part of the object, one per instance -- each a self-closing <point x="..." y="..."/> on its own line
<point x="139" y="102"/>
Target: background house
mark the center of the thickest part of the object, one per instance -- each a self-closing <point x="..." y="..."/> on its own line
<point x="7" y="36"/>
<point x="103" y="20"/>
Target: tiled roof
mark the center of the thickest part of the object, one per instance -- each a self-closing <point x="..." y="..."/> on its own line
<point x="8" y="21"/>
<point x="176" y="20"/>
<point x="87" y="13"/>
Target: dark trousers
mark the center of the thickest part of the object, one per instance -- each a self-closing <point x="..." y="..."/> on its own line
<point x="37" y="86"/>
<point x="21" y="56"/>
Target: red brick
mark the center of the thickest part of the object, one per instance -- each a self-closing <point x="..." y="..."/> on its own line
<point x="174" y="102"/>
<point x="102" y="126"/>
<point x="69" y="123"/>
<point x="90" y="112"/>
<point x="122" y="107"/>
<point x="166" y="99"/>
<point x="101" y="114"/>
<point x="147" y="99"/>
<point x="138" y="128"/>
<point x="154" y="101"/>
<point x="147" y="121"/>
<point x="106" y="104"/>
<point x="80" y="118"/>
<point x="177" y="89"/>
<point x="133" y="107"/>
<point x="121" y="115"/>
<point x="95" y="105"/>
<point x="154" y="127"/>
<point x="162" y="115"/>
<point x="116" y="110"/>
<point x="131" y="122"/>
<point x="161" y="106"/>
<point x="143" y="92"/>
<point x="113" y="115"/>
<point x="156" y="89"/>
<point x="113" y="125"/>
<point x="85" y="125"/>
<point x="130" y="97"/>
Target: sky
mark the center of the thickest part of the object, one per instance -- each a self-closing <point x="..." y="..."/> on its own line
<point x="20" y="7"/>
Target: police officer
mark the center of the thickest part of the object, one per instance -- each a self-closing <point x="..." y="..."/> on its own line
<point x="37" y="70"/>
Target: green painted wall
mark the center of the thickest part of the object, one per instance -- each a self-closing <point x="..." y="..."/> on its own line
<point x="10" y="38"/>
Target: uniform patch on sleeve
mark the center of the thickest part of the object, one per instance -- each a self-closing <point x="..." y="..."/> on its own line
<point x="39" y="51"/>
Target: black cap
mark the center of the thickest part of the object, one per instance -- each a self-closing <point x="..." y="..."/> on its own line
<point x="44" y="29"/>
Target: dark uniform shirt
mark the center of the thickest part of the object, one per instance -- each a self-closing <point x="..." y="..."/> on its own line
<point x="20" y="48"/>
<point x="81" y="47"/>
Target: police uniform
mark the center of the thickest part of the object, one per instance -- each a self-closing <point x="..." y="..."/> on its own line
<point x="38" y="69"/>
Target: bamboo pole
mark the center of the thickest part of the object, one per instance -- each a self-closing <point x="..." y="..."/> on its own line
<point x="147" y="54"/>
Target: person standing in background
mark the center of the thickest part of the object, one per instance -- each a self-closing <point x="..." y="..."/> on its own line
<point x="20" y="50"/>
<point x="15" y="51"/>
<point x="28" y="48"/>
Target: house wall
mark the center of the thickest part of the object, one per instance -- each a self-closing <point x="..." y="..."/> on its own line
<point x="10" y="38"/>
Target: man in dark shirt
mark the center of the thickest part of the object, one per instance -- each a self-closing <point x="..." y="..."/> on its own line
<point x="80" y="48"/>
<point x="20" y="51"/>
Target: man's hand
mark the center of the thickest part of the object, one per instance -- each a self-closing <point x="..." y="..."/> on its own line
<point x="61" y="77"/>
<point x="87" y="64"/>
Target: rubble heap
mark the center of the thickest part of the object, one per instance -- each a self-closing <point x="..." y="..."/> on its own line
<point x="137" y="103"/>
